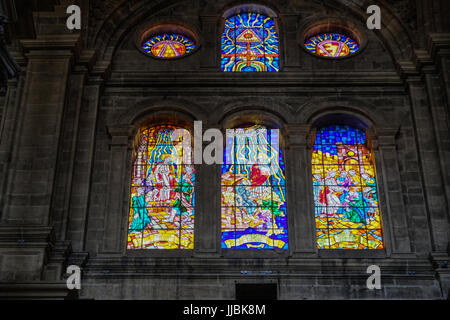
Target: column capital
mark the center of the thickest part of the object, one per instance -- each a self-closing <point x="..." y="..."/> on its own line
<point x="298" y="128"/>
<point x="120" y="131"/>
<point x="384" y="136"/>
<point x="65" y="42"/>
<point x="120" y="136"/>
<point x="70" y="46"/>
<point x="298" y="134"/>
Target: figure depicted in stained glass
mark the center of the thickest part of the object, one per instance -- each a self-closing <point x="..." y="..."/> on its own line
<point x="168" y="46"/>
<point x="331" y="45"/>
<point x="250" y="44"/>
<point x="345" y="192"/>
<point x="253" y="191"/>
<point x="140" y="217"/>
<point x="162" y="177"/>
<point x="162" y="192"/>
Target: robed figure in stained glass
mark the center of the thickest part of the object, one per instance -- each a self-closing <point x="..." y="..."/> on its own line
<point x="345" y="191"/>
<point x="253" y="190"/>
<point x="162" y="192"/>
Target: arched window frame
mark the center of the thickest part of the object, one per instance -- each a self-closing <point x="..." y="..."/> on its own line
<point x="183" y="206"/>
<point x="244" y="120"/>
<point x="349" y="27"/>
<point x="122" y="130"/>
<point x="160" y="27"/>
<point x="378" y="137"/>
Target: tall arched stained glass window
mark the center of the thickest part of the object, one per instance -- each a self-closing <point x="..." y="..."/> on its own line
<point x="161" y="212"/>
<point x="347" y="212"/>
<point x="250" y="44"/>
<point x="253" y="190"/>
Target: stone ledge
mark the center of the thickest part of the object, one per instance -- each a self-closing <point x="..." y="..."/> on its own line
<point x="36" y="291"/>
<point x="71" y="42"/>
<point x="293" y="267"/>
<point x="26" y="234"/>
<point x="212" y="79"/>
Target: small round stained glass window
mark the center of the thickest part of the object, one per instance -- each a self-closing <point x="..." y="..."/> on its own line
<point x="168" y="46"/>
<point x="332" y="45"/>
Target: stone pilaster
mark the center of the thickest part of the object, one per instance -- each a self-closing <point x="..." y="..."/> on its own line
<point x="80" y="188"/>
<point x="35" y="151"/>
<point x="32" y="152"/>
<point x="395" y="225"/>
<point x="209" y="59"/>
<point x="300" y="204"/>
<point x="433" y="63"/>
<point x="432" y="175"/>
<point x="291" y="59"/>
<point x="8" y="125"/>
<point x="207" y="236"/>
<point x="114" y="240"/>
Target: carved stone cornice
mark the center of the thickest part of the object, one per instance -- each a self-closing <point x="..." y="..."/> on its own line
<point x="37" y="290"/>
<point x="439" y="43"/>
<point x="26" y="234"/>
<point x="383" y="136"/>
<point x="70" y="45"/>
<point x="48" y="43"/>
<point x="298" y="135"/>
<point x="426" y="60"/>
<point x="121" y="136"/>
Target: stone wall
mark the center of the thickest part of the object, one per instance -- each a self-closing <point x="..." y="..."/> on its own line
<point x="70" y="118"/>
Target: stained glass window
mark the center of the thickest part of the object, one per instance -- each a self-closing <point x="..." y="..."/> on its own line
<point x="253" y="190"/>
<point x="168" y="46"/>
<point x="347" y="211"/>
<point x="250" y="44"/>
<point x="161" y="212"/>
<point x="332" y="45"/>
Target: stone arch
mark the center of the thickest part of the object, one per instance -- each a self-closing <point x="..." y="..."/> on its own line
<point x="361" y="108"/>
<point x="279" y="110"/>
<point x="146" y="108"/>
<point x="270" y="8"/>
<point x="393" y="34"/>
<point x="124" y="17"/>
<point x="255" y="116"/>
<point x="157" y="26"/>
<point x="121" y="21"/>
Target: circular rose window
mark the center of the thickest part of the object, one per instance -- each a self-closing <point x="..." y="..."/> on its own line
<point x="168" y="46"/>
<point x="331" y="45"/>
